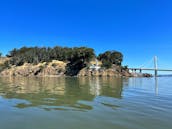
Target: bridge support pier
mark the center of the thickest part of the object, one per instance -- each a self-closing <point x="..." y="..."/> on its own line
<point x="156" y="66"/>
<point x="156" y="73"/>
<point x="140" y="70"/>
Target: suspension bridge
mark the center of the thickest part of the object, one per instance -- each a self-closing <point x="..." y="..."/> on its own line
<point x="155" y="67"/>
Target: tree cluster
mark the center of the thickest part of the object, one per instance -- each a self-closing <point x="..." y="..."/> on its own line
<point x="111" y="57"/>
<point x="76" y="57"/>
<point x="79" y="58"/>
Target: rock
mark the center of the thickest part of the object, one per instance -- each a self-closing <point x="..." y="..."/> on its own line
<point x="54" y="68"/>
<point x="141" y="75"/>
<point x="147" y="75"/>
<point x="104" y="73"/>
<point x="3" y="60"/>
<point x="58" y="68"/>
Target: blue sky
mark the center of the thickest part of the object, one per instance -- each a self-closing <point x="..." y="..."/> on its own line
<point x="139" y="29"/>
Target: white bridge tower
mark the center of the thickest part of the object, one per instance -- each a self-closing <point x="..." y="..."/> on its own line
<point x="156" y="66"/>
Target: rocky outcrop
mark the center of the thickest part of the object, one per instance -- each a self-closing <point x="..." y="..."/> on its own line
<point x="104" y="73"/>
<point x="3" y="60"/>
<point x="141" y="75"/>
<point x="58" y="68"/>
<point x="54" y="68"/>
<point x="147" y="75"/>
<point x="115" y="71"/>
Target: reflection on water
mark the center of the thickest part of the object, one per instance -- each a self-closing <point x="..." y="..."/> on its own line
<point x="143" y="82"/>
<point x="59" y="93"/>
<point x="156" y="85"/>
<point x="85" y="103"/>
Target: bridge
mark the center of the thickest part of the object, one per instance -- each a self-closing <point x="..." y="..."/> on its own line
<point x="155" y="69"/>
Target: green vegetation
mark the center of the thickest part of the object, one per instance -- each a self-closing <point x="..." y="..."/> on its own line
<point x="111" y="57"/>
<point x="79" y="59"/>
<point x="0" y="54"/>
<point x="76" y="57"/>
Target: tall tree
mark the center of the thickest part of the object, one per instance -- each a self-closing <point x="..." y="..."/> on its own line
<point x="79" y="58"/>
<point x="111" y="57"/>
<point x="78" y="55"/>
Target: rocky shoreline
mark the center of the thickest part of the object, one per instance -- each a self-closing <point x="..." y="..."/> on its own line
<point x="111" y="72"/>
<point x="58" y="69"/>
<point x="63" y="61"/>
<point x="54" y="68"/>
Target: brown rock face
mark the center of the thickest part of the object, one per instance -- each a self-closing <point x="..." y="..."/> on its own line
<point x="58" y="68"/>
<point x="103" y="73"/>
<point x="3" y="59"/>
<point x="54" y="68"/>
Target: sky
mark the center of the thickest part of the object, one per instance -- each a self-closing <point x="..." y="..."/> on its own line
<point x="140" y="29"/>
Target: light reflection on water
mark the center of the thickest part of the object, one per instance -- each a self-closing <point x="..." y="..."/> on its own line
<point x="66" y="92"/>
<point x="122" y="103"/>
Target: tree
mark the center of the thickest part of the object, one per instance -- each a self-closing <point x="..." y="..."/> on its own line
<point x="111" y="57"/>
<point x="0" y="54"/>
<point x="79" y="58"/>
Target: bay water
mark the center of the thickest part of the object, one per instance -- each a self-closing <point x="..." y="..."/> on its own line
<point x="86" y="103"/>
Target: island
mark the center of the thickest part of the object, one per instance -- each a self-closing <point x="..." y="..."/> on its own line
<point x="63" y="61"/>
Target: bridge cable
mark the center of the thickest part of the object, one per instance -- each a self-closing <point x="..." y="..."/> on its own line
<point x="147" y="63"/>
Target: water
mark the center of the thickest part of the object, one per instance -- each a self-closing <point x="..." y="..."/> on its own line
<point x="86" y="103"/>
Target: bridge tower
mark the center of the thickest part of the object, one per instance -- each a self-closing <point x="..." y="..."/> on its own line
<point x="156" y="66"/>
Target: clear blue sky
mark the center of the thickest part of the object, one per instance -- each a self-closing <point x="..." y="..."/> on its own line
<point x="139" y="29"/>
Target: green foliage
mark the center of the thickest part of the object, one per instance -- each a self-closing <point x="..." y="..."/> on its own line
<point x="106" y="64"/>
<point x="0" y="54"/>
<point x="111" y="57"/>
<point x="77" y="57"/>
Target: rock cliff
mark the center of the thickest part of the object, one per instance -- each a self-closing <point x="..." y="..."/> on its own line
<point x="58" y="68"/>
<point x="104" y="73"/>
<point x="54" y="68"/>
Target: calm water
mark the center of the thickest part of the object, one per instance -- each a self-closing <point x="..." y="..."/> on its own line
<point x="86" y="103"/>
